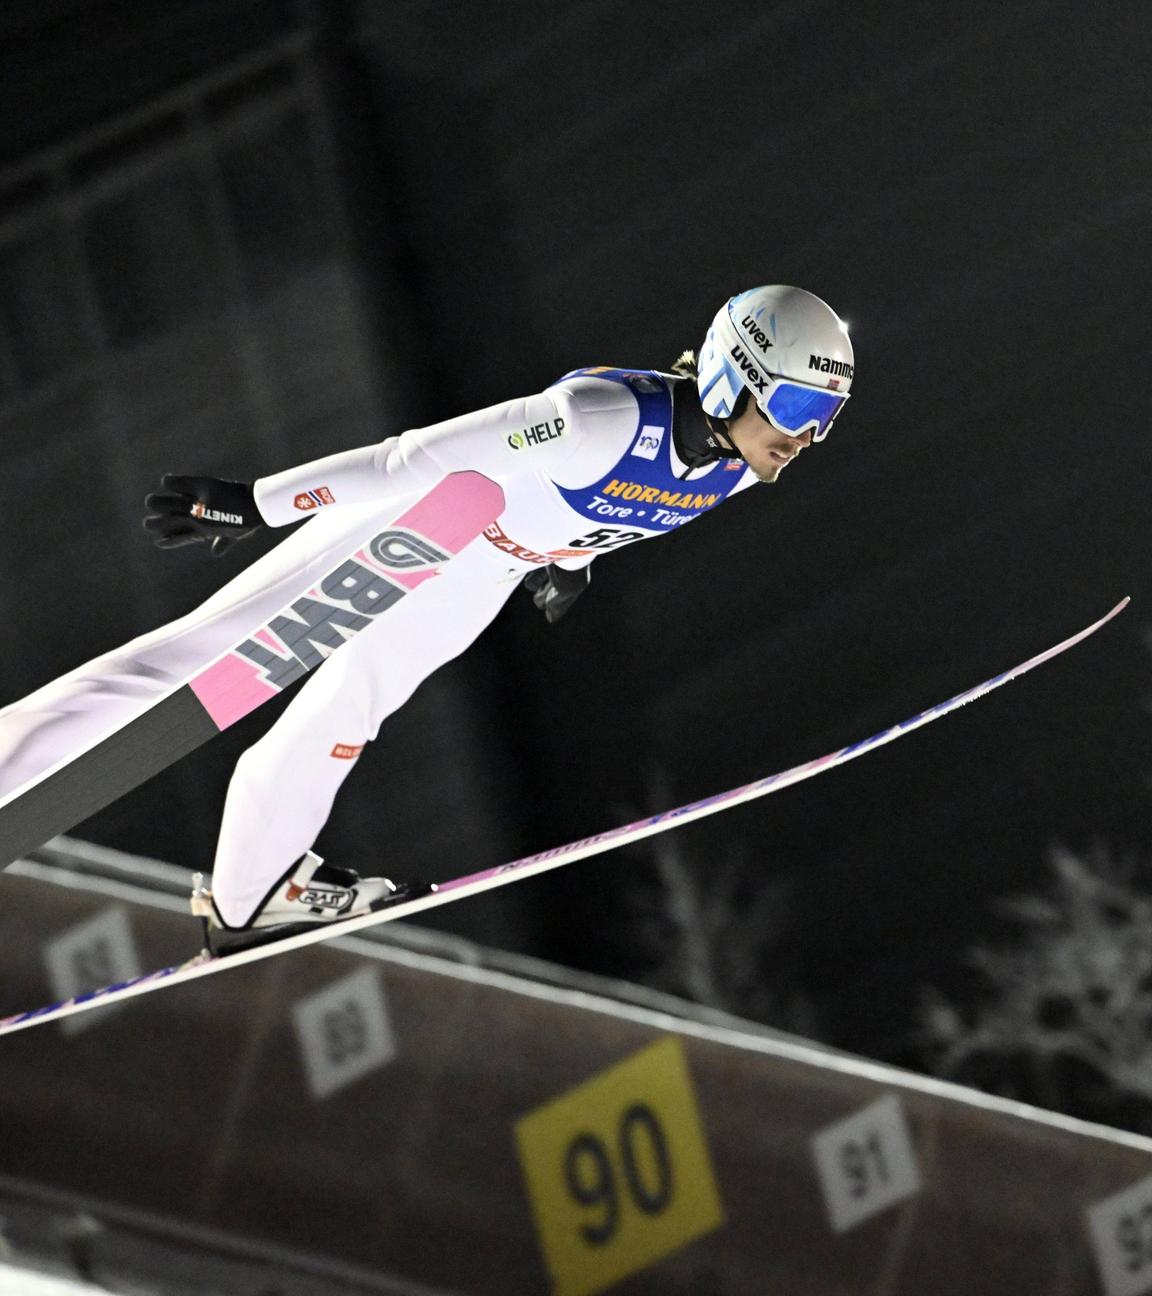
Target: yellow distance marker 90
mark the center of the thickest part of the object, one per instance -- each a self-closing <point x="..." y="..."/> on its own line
<point x="618" y="1171"/>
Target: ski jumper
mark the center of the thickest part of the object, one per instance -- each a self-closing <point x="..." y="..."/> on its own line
<point x="587" y="466"/>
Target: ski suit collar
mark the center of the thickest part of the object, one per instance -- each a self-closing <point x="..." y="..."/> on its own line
<point x="696" y="443"/>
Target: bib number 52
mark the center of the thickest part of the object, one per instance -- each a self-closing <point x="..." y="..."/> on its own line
<point x="606" y="538"/>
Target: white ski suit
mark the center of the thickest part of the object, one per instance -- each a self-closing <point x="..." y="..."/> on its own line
<point x="586" y="466"/>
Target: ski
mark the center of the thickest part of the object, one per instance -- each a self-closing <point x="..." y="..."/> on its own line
<point x="205" y="964"/>
<point x="386" y="562"/>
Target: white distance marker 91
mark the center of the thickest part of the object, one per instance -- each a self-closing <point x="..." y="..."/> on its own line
<point x="866" y="1163"/>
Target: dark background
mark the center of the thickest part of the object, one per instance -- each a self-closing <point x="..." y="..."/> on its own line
<point x="237" y="236"/>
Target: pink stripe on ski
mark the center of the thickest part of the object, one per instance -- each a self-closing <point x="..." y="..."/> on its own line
<point x="454" y="513"/>
<point x="232" y="687"/>
<point x="410" y="580"/>
<point x="449" y="517"/>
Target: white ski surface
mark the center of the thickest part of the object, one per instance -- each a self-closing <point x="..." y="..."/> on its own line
<point x="557" y="857"/>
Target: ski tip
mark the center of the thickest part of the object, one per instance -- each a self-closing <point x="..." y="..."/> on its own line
<point x="1119" y="607"/>
<point x="1115" y="611"/>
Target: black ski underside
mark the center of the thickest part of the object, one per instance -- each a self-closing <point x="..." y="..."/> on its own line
<point x="168" y="730"/>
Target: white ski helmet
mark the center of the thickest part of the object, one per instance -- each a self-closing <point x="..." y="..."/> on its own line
<point x="785" y="346"/>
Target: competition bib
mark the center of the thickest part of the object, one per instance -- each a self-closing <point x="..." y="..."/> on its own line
<point x="642" y="489"/>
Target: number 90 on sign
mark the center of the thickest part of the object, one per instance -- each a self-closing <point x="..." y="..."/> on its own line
<point x="591" y="1179"/>
<point x="618" y="1172"/>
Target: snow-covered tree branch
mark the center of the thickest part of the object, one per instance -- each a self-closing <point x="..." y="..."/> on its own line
<point x="1072" y="991"/>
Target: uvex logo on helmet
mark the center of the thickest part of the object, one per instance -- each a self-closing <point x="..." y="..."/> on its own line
<point x="755" y="332"/>
<point x="751" y="373"/>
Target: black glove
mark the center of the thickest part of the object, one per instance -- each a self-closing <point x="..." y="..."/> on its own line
<point x="554" y="589"/>
<point x="194" y="509"/>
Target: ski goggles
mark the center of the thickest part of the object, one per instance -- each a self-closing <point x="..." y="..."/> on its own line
<point x="795" y="408"/>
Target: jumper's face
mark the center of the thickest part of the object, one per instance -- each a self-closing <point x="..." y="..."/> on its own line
<point x="766" y="450"/>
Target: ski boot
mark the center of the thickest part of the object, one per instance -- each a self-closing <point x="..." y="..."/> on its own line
<point x="310" y="894"/>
